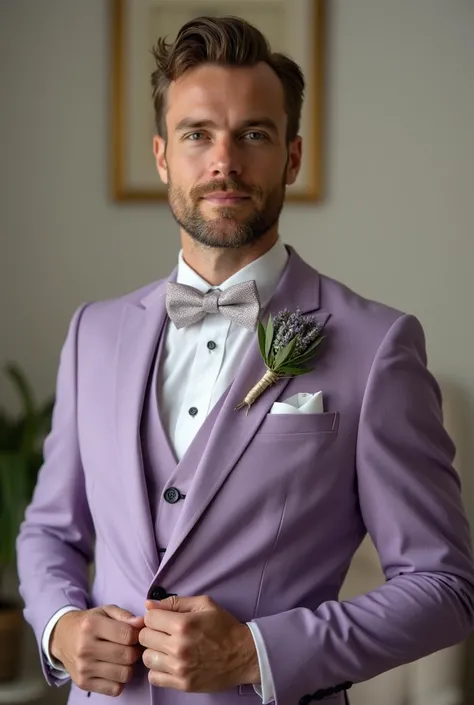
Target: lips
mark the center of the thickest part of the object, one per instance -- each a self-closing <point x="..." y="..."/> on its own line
<point x="226" y="197"/>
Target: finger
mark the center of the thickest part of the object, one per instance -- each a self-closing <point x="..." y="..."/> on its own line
<point x="104" y="687"/>
<point x="118" y="613"/>
<point x="117" y="653"/>
<point x="162" y="620"/>
<point x="136" y="622"/>
<point x="151" y="639"/>
<point x="113" y="672"/>
<point x="159" y="661"/>
<point x="116" y="631"/>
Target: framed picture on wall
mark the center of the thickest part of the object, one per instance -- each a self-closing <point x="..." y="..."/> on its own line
<point x="294" y="27"/>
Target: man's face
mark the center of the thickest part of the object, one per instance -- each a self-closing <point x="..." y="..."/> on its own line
<point x="225" y="159"/>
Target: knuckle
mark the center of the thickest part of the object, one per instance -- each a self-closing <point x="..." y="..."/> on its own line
<point x="127" y="635"/>
<point x="115" y="690"/>
<point x="184" y="627"/>
<point x="130" y="655"/>
<point x="181" y="651"/>
<point x="181" y="670"/>
<point x="125" y="674"/>
<point x="87" y="625"/>
<point x="82" y="670"/>
<point x="82" y="649"/>
<point x="80" y="681"/>
<point x="186" y="685"/>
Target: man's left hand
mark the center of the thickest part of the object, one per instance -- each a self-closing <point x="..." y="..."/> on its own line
<point x="194" y="645"/>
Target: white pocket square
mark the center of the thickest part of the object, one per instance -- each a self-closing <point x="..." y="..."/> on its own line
<point x="301" y="403"/>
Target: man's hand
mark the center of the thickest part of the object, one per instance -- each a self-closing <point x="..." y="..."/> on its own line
<point x="98" y="647"/>
<point x="194" y="645"/>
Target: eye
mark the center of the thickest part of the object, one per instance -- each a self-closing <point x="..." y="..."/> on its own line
<point x="194" y="136"/>
<point x="256" y="136"/>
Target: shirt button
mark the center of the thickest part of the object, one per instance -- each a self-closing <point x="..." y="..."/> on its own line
<point x="211" y="345"/>
<point x="193" y="411"/>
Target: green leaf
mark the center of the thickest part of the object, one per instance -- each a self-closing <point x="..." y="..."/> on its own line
<point x="285" y="352"/>
<point x="261" y="340"/>
<point x="309" y="353"/>
<point x="18" y="379"/>
<point x="269" y="333"/>
<point x="294" y="371"/>
<point x="14" y="499"/>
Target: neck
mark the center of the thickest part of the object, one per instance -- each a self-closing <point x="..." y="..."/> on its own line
<point x="216" y="264"/>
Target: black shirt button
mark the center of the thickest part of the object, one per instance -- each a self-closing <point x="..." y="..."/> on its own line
<point x="211" y="345"/>
<point x="172" y="495"/>
<point x="193" y="411"/>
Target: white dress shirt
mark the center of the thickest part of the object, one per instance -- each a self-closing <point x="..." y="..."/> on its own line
<point x="191" y="374"/>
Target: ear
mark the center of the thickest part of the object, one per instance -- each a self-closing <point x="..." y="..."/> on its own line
<point x="295" y="153"/>
<point x="159" y="148"/>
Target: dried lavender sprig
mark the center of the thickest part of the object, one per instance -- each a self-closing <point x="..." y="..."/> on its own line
<point x="289" y="325"/>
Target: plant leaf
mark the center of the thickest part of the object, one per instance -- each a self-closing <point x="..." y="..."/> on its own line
<point x="14" y="499"/>
<point x="269" y="333"/>
<point x="294" y="371"/>
<point x="309" y="353"/>
<point x="261" y="340"/>
<point x="19" y="380"/>
<point x="284" y="354"/>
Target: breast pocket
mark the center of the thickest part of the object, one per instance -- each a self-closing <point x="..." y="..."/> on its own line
<point x="284" y="424"/>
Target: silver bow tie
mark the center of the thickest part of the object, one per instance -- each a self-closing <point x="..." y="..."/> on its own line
<point x="187" y="305"/>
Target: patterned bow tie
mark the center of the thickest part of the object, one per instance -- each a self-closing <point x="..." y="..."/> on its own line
<point x="187" y="305"/>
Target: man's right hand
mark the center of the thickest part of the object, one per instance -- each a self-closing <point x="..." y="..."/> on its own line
<point x="98" y="647"/>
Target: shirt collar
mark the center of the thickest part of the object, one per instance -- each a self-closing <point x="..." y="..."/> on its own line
<point x="265" y="271"/>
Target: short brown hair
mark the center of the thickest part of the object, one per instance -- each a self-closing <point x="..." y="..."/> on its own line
<point x="228" y="41"/>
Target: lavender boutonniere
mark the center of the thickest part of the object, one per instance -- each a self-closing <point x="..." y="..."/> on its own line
<point x="286" y="343"/>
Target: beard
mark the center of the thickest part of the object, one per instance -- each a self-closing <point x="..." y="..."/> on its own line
<point x="226" y="229"/>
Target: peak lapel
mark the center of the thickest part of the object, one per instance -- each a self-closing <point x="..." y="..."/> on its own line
<point x="233" y="430"/>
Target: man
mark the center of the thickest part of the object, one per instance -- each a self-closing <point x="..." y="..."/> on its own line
<point x="221" y="536"/>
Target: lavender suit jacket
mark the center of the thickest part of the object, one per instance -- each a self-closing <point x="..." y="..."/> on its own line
<point x="278" y="505"/>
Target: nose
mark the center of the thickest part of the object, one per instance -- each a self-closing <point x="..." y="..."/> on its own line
<point x="225" y="158"/>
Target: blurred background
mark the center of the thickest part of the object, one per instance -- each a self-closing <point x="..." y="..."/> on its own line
<point x="396" y="222"/>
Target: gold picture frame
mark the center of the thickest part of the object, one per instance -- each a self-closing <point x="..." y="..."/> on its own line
<point x="299" y="27"/>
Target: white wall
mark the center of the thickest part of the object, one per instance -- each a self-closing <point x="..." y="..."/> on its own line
<point x="397" y="222"/>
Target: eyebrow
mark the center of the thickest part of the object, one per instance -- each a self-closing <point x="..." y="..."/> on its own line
<point x="190" y="124"/>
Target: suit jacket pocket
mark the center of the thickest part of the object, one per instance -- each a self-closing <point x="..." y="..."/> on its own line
<point x="326" y="422"/>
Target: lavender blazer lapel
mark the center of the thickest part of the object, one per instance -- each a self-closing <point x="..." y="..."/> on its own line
<point x="141" y="327"/>
<point x="233" y="430"/>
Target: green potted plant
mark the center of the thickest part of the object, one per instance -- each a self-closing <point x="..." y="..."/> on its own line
<point x="21" y="456"/>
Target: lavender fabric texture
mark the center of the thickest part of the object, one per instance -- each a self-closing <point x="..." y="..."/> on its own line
<point x="276" y="504"/>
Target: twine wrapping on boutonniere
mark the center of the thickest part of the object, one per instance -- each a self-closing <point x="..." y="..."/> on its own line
<point x="286" y="343"/>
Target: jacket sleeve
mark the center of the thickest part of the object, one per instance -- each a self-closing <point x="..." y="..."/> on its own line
<point x="55" y="544"/>
<point x="410" y="500"/>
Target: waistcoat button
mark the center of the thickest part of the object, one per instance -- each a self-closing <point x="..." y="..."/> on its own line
<point x="172" y="495"/>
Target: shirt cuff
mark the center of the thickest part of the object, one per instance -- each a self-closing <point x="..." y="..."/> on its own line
<point x="265" y="689"/>
<point x="56" y="666"/>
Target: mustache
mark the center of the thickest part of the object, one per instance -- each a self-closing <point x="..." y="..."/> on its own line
<point x="222" y="185"/>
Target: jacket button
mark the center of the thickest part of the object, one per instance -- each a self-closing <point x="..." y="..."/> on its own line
<point x="172" y="495"/>
<point x="305" y="700"/>
<point x="157" y="593"/>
